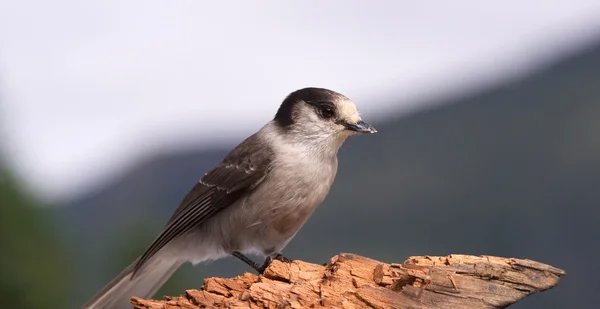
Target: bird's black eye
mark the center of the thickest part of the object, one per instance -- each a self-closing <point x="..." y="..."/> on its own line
<point x="327" y="112"/>
<point x="325" y="109"/>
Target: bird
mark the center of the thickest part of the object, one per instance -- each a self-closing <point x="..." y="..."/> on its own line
<point x="254" y="201"/>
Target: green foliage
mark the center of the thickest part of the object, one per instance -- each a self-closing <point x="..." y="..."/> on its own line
<point x="32" y="273"/>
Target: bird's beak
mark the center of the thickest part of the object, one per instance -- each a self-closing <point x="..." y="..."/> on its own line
<point x="361" y="127"/>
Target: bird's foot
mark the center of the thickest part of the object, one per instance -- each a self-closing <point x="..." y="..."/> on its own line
<point x="260" y="268"/>
<point x="270" y="260"/>
<point x="282" y="258"/>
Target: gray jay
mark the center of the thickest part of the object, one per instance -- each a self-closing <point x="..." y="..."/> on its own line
<point x="254" y="201"/>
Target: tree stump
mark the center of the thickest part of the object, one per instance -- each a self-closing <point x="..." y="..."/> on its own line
<point x="352" y="281"/>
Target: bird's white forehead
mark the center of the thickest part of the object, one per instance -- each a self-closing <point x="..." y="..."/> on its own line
<point x="347" y="110"/>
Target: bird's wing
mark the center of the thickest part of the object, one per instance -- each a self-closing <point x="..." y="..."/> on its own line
<point x="239" y="172"/>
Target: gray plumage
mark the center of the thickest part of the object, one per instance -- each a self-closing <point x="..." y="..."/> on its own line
<point x="255" y="200"/>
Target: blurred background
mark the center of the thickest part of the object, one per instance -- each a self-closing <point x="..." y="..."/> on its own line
<point x="488" y="116"/>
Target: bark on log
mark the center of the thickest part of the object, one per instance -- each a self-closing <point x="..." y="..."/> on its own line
<point x="352" y="281"/>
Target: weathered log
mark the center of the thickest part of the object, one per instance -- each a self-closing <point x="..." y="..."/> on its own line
<point x="352" y="281"/>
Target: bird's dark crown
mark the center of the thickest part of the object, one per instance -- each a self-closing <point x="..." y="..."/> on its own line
<point x="311" y="95"/>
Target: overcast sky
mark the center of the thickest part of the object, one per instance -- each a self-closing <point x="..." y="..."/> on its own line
<point x="88" y="87"/>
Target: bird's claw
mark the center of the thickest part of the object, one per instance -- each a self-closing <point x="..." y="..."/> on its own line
<point x="282" y="258"/>
<point x="261" y="268"/>
<point x="270" y="260"/>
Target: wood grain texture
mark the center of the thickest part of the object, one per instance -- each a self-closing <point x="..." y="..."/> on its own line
<point x="352" y="281"/>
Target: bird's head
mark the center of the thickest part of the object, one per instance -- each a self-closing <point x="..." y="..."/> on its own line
<point x="320" y="114"/>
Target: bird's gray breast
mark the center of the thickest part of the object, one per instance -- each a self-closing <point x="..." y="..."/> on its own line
<point x="300" y="188"/>
<point x="285" y="200"/>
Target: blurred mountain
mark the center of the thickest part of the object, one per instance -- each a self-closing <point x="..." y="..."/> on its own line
<point x="511" y="171"/>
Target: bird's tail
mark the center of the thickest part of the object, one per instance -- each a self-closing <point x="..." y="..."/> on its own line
<point x="117" y="294"/>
